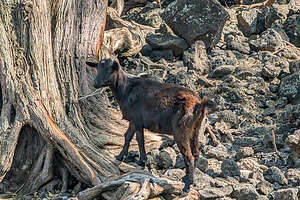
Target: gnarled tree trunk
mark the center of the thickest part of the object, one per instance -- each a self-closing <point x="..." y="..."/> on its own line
<point x="45" y="132"/>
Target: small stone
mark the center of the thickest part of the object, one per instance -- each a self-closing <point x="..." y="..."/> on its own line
<point x="222" y="71"/>
<point x="166" y="42"/>
<point x="152" y="161"/>
<point x="244" y="152"/>
<point x="179" y="162"/>
<point x="175" y="174"/>
<point x="156" y="55"/>
<point x="274" y="174"/>
<point x="195" y="58"/>
<point x="290" y="87"/>
<point x="230" y="168"/>
<point x="244" y="191"/>
<point x="201" y="180"/>
<point x="202" y="164"/>
<point x="247" y="21"/>
<point x="294" y="66"/>
<point x="229" y="117"/>
<point x="268" y="41"/>
<point x="285" y="194"/>
<point x="234" y="43"/>
<point x="219" y="152"/>
<point x="264" y="187"/>
<point x="212" y="192"/>
<point x="246" y="174"/>
<point x="291" y="27"/>
<point x="293" y="176"/>
<point x="167" y="158"/>
<point x="270" y="71"/>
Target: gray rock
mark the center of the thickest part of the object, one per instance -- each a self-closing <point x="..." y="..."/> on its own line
<point x="268" y="15"/>
<point x="268" y="41"/>
<point x="293" y="176"/>
<point x="247" y="21"/>
<point x="219" y="57"/>
<point x="175" y="174"/>
<point x="230" y="168"/>
<point x="229" y="117"/>
<point x="264" y="187"/>
<point x="257" y="20"/>
<point x="244" y="191"/>
<point x="274" y="174"/>
<point x="222" y="71"/>
<point x="201" y="180"/>
<point x="286" y="194"/>
<point x="195" y="58"/>
<point x="202" y="164"/>
<point x="196" y="20"/>
<point x="247" y="141"/>
<point x="166" y="42"/>
<point x="244" y="152"/>
<point x="270" y="71"/>
<point x="203" y="81"/>
<point x="293" y="141"/>
<point x="181" y="77"/>
<point x="179" y="162"/>
<point x="219" y="152"/>
<point x="294" y="66"/>
<point x="148" y="15"/>
<point x="212" y="192"/>
<point x="152" y="161"/>
<point x="235" y="43"/>
<point x="156" y="55"/>
<point x="292" y="29"/>
<point x="290" y="87"/>
<point x="167" y="158"/>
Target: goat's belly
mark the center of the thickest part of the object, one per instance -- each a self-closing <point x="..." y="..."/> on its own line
<point x="166" y="131"/>
<point x="162" y="124"/>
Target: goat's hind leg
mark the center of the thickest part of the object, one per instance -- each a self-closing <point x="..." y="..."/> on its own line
<point x="185" y="150"/>
<point x="194" y="142"/>
<point x="128" y="137"/>
<point x="141" y="142"/>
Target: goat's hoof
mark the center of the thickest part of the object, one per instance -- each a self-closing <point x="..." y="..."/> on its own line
<point x="119" y="158"/>
<point x="141" y="163"/>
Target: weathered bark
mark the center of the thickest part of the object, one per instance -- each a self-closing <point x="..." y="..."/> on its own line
<point x="43" y="126"/>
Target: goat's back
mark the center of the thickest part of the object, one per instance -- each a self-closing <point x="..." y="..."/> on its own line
<point x="156" y="106"/>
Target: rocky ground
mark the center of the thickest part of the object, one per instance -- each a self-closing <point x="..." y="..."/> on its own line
<point x="250" y="71"/>
<point x="246" y="60"/>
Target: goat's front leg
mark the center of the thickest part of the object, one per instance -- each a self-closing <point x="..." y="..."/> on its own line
<point x="141" y="142"/>
<point x="128" y="137"/>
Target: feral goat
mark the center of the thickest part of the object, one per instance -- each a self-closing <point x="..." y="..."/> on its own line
<point x="159" y="107"/>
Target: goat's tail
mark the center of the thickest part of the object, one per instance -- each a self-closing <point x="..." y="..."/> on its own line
<point x="201" y="112"/>
<point x="201" y="108"/>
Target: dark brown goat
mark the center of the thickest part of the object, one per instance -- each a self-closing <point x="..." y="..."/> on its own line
<point x="158" y="107"/>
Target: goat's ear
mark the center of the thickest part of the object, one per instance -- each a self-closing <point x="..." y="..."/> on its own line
<point x="116" y="66"/>
<point x="91" y="64"/>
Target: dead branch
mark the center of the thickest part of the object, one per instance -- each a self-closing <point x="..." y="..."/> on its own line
<point x="273" y="141"/>
<point x="265" y="4"/>
<point x="212" y="135"/>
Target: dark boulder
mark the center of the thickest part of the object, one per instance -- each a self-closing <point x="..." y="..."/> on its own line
<point x="196" y="20"/>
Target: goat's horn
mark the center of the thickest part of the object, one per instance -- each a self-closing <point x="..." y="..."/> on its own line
<point x="114" y="58"/>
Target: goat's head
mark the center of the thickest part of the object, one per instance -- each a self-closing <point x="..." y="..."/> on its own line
<point x="107" y="72"/>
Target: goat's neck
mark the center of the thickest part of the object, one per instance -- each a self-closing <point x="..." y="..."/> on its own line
<point x="120" y="85"/>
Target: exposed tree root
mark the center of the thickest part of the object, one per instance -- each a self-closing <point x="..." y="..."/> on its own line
<point x="149" y="186"/>
<point x="65" y="176"/>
